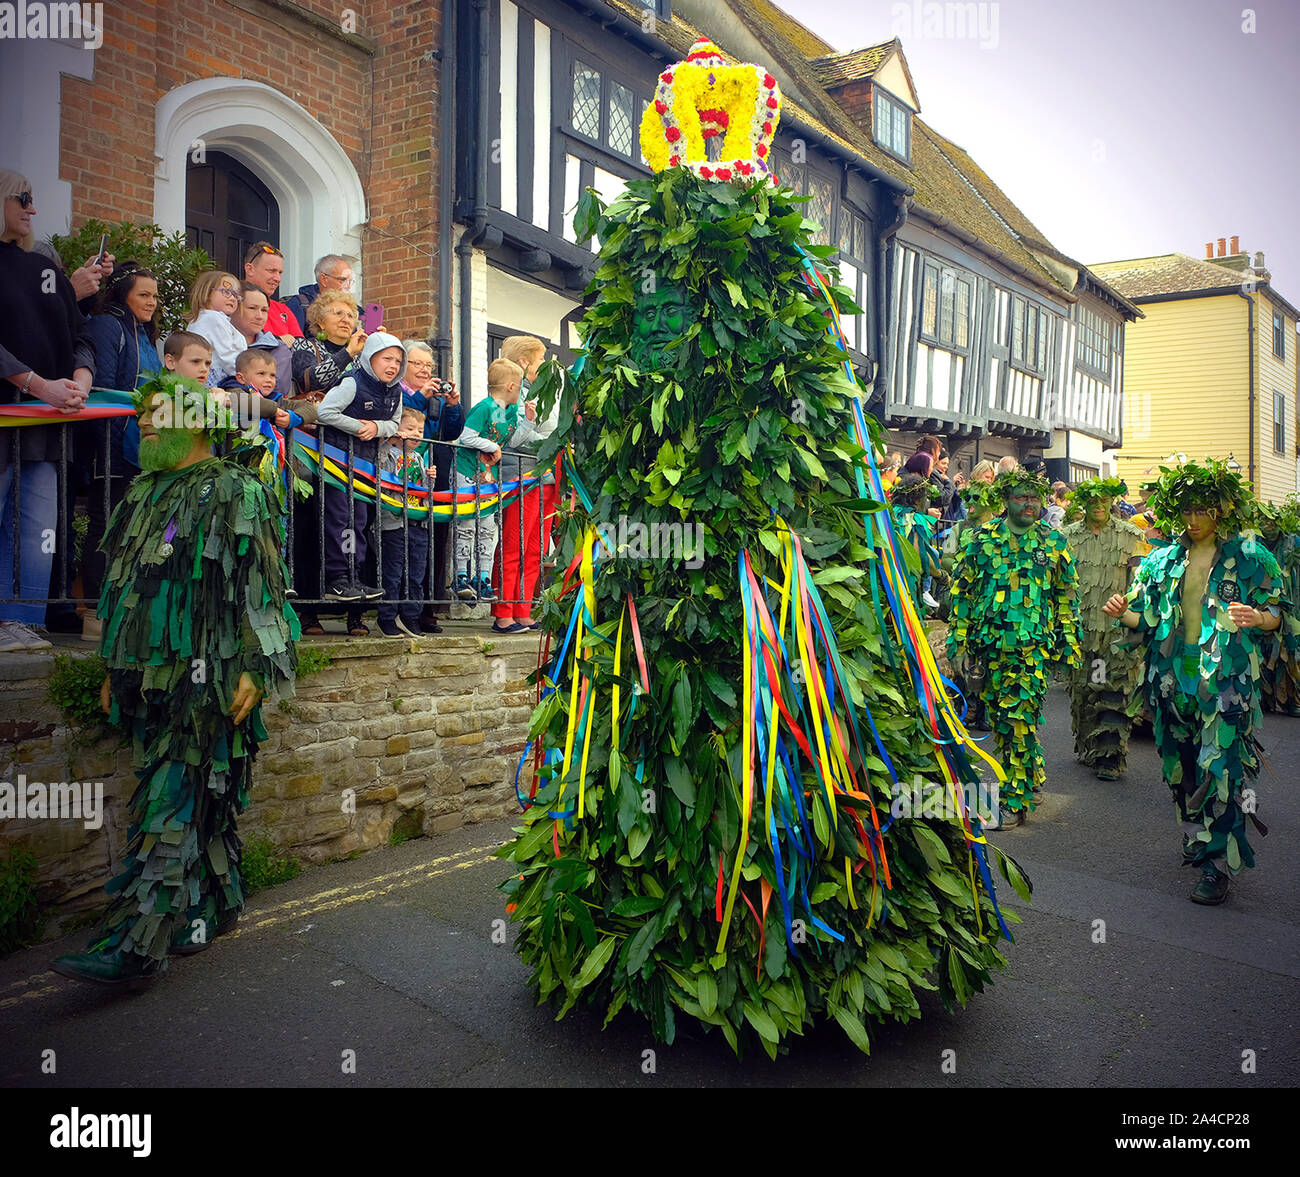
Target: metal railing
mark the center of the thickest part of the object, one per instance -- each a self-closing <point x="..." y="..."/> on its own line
<point x="91" y="478"/>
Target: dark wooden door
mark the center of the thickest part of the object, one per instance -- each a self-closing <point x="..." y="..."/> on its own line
<point x="227" y="209"/>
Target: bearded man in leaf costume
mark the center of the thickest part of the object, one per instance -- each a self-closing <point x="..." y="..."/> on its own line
<point x="1201" y="605"/>
<point x="1105" y="553"/>
<point x="196" y="631"/>
<point x="709" y="827"/>
<point x="1013" y="620"/>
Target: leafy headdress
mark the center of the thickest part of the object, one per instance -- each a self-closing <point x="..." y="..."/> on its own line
<point x="189" y="405"/>
<point x="979" y="495"/>
<point x="1210" y="485"/>
<point x="1086" y="493"/>
<point x="1021" y="481"/>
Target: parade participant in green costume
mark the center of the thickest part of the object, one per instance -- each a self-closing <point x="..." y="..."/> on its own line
<point x="657" y="869"/>
<point x="1104" y="549"/>
<point x="1279" y="662"/>
<point x="1201" y="603"/>
<point x="910" y="500"/>
<point x="982" y="504"/>
<point x="196" y="632"/>
<point x="1013" y="617"/>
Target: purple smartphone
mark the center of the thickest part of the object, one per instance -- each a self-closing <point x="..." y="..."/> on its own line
<point x="372" y="317"/>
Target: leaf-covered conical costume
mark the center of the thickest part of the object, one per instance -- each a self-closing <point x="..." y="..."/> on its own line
<point x="1013" y="610"/>
<point x="1205" y="698"/>
<point x="194" y="597"/>
<point x="1102" y="685"/>
<point x="651" y="874"/>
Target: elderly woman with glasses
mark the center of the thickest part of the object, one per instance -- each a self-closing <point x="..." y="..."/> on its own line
<point x="332" y="342"/>
<point x="44" y="353"/>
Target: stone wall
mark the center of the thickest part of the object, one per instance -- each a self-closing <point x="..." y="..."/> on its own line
<point x="423" y="732"/>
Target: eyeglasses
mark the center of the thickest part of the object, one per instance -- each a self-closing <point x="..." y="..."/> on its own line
<point x="23" y="198"/>
<point x="230" y="290"/>
<point x="344" y="283"/>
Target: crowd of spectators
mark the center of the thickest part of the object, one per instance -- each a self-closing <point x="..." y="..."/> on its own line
<point x="306" y="364"/>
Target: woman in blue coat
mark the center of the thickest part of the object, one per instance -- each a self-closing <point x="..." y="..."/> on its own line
<point x="125" y="338"/>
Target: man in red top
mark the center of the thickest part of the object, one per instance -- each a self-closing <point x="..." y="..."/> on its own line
<point x="264" y="267"/>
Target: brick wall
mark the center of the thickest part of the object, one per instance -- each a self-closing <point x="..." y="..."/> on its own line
<point x="383" y="110"/>
<point x="855" y="98"/>
<point x="431" y="728"/>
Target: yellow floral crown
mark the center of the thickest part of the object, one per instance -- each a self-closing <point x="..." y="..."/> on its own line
<point x="705" y="96"/>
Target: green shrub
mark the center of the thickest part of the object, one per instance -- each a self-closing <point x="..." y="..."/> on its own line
<point x="311" y="661"/>
<point x="21" y="920"/>
<point x="263" y="866"/>
<point x="74" y="689"/>
<point x="173" y="263"/>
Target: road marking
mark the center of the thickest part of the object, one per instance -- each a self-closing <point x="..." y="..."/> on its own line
<point x="328" y="900"/>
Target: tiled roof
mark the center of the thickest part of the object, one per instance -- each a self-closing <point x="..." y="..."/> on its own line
<point x="948" y="184"/>
<point x="802" y="38"/>
<point x="836" y="69"/>
<point x="1169" y="273"/>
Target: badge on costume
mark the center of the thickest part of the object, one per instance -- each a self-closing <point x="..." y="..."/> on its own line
<point x="1040" y="558"/>
<point x="1229" y="591"/>
<point x="205" y="491"/>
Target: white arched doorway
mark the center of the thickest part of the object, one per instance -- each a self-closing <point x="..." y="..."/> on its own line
<point x="322" y="204"/>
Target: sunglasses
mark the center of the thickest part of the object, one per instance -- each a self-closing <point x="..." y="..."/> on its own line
<point x="23" y="198"/>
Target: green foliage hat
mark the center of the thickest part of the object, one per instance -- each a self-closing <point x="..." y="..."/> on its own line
<point x="978" y="495"/>
<point x="1209" y="485"/>
<point x="1086" y="493"/>
<point x="1021" y="481"/>
<point x="189" y="405"/>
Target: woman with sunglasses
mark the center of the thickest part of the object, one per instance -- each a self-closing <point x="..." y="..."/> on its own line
<point x="44" y="353"/>
<point x="214" y="297"/>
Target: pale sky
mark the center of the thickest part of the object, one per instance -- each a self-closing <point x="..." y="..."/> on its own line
<point x="1121" y="128"/>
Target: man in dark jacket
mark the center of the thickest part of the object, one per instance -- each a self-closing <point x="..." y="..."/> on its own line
<point x="333" y="272"/>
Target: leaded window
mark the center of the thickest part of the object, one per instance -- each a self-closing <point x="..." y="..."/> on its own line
<point x="946" y="306"/>
<point x="1093" y="343"/>
<point x="891" y="124"/>
<point x="621" y="106"/>
<point x="1028" y="336"/>
<point x="585" y="113"/>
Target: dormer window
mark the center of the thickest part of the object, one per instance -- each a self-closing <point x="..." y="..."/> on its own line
<point x="891" y="125"/>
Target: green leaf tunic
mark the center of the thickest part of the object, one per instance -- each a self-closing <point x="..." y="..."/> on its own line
<point x="1102" y="685"/>
<point x="194" y="596"/>
<point x="1205" y="699"/>
<point x="1013" y="609"/>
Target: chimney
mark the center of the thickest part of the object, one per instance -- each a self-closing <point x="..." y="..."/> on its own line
<point x="1222" y="243"/>
<point x="1209" y="250"/>
<point x="1235" y="243"/>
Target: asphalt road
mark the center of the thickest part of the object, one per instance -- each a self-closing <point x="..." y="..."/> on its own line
<point x="391" y="956"/>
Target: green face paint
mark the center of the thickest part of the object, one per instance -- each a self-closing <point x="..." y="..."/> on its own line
<point x="662" y="316"/>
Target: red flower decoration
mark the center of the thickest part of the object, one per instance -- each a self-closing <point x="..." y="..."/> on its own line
<point x="761" y="149"/>
<point x="660" y="107"/>
<point x="745" y="169"/>
<point x="769" y="81"/>
<point x="675" y="160"/>
<point x="666" y="78"/>
<point x="707" y="173"/>
<point x="772" y="103"/>
<point x="767" y="128"/>
<point x="672" y="134"/>
<point x="724" y="173"/>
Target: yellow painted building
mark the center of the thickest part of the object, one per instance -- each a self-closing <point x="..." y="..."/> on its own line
<point x="1216" y="351"/>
